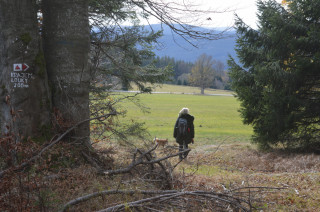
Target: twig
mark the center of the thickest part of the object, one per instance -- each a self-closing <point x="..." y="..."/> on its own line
<point x="221" y="144"/>
<point x="135" y="203"/>
<point x="258" y="187"/>
<point x="111" y="192"/>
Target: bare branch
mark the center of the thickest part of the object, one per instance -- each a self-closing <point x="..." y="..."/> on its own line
<point x="140" y="161"/>
<point x="169" y="196"/>
<point x="111" y="192"/>
<point x="136" y="203"/>
<point x="168" y="14"/>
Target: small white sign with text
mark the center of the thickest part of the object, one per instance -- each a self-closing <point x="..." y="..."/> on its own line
<point x="19" y="78"/>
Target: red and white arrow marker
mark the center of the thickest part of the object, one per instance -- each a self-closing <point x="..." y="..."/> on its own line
<point x="20" y="67"/>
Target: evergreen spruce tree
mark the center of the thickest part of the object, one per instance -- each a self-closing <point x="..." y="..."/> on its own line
<point x="278" y="81"/>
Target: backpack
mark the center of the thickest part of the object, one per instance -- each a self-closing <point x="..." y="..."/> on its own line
<point x="182" y="128"/>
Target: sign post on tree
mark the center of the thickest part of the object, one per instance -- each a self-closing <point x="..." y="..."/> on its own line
<point x="24" y="96"/>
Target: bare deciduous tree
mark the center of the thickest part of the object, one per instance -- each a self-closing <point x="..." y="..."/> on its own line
<point x="202" y="73"/>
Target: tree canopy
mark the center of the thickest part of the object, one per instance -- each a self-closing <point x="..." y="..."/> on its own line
<point x="202" y="73"/>
<point x="278" y="78"/>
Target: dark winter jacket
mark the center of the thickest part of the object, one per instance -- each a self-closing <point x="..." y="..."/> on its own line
<point x="190" y="134"/>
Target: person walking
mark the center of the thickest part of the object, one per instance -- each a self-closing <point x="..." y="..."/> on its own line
<point x="184" y="131"/>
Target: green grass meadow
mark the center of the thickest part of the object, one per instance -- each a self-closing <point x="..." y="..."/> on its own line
<point x="216" y="117"/>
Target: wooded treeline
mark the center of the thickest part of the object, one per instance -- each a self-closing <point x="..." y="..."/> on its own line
<point x="182" y="71"/>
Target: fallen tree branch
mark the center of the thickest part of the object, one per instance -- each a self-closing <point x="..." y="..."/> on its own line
<point x="148" y="157"/>
<point x="140" y="161"/>
<point x="111" y="192"/>
<point x="135" y="203"/>
<point x="162" y="196"/>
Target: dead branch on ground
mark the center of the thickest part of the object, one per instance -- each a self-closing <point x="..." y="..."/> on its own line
<point x="168" y="196"/>
<point x="140" y="161"/>
<point x="160" y="173"/>
<point x="184" y="200"/>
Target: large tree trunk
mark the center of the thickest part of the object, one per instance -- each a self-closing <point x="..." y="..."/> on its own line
<point x="66" y="42"/>
<point x="202" y="90"/>
<point x="23" y="77"/>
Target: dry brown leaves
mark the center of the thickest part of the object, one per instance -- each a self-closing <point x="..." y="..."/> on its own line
<point x="235" y="166"/>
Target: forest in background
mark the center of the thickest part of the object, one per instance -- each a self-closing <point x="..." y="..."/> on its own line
<point x="182" y="70"/>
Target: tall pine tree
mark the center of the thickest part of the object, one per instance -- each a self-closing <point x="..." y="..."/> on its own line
<point x="278" y="81"/>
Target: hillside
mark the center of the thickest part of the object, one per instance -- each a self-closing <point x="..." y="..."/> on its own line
<point x="175" y="46"/>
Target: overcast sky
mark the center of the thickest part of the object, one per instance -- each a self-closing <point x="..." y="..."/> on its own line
<point x="246" y="9"/>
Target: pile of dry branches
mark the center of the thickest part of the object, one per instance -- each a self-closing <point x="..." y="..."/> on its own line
<point x="165" y="198"/>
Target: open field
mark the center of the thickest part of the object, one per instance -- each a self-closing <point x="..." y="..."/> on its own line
<point x="216" y="117"/>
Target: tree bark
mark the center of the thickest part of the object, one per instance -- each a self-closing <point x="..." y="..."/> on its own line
<point x="23" y="77"/>
<point x="66" y="42"/>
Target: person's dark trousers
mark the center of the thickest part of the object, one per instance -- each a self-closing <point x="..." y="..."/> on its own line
<point x="181" y="149"/>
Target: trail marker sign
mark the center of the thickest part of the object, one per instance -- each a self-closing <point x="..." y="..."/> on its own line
<point x="19" y="77"/>
<point x="20" y="67"/>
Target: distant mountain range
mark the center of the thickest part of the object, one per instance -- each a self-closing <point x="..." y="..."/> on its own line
<point x="175" y="46"/>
